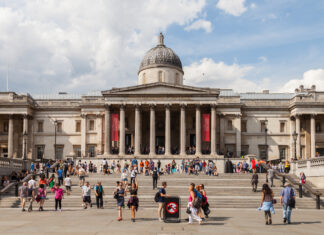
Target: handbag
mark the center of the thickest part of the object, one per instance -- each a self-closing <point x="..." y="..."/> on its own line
<point x="116" y="196"/>
<point x="188" y="211"/>
<point x="274" y="201"/>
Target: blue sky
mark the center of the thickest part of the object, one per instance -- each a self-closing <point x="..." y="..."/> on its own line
<point x="77" y="46"/>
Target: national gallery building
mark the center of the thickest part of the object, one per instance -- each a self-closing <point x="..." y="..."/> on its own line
<point x="163" y="118"/>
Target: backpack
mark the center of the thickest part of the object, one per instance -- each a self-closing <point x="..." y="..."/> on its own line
<point x="157" y="196"/>
<point x="155" y="174"/>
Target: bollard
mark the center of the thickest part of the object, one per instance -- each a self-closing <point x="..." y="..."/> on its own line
<point x="318" y="202"/>
<point x="300" y="190"/>
<point x="283" y="181"/>
<point x="16" y="189"/>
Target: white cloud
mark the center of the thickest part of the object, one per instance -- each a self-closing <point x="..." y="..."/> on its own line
<point x="253" y="5"/>
<point x="310" y="77"/>
<point x="77" y="45"/>
<point x="207" y="72"/>
<point x="200" y="24"/>
<point x="232" y="7"/>
<point x="263" y="58"/>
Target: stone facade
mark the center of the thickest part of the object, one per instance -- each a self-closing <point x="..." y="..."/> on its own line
<point x="162" y="113"/>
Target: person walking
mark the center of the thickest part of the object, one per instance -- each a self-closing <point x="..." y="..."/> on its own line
<point x="68" y="184"/>
<point x="124" y="178"/>
<point x="119" y="195"/>
<point x="270" y="176"/>
<point x="133" y="173"/>
<point x="30" y="197"/>
<point x="205" y="204"/>
<point x="51" y="181"/>
<point x="23" y="193"/>
<point x="59" y="195"/>
<point x="133" y="199"/>
<point x="86" y="195"/>
<point x="99" y="194"/>
<point x="287" y="201"/>
<point x="255" y="181"/>
<point x="82" y="174"/>
<point x="60" y="176"/>
<point x="161" y="201"/>
<point x="267" y="203"/>
<point x="155" y="176"/>
<point x="193" y="205"/>
<point x="41" y="195"/>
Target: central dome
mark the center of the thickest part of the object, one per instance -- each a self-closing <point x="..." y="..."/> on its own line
<point x="160" y="64"/>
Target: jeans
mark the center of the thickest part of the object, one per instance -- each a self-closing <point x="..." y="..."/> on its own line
<point x="60" y="179"/>
<point x="99" y="201"/>
<point x="286" y="212"/>
<point x="155" y="179"/>
<point x="58" y="202"/>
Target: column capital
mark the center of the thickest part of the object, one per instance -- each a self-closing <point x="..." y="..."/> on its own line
<point x="27" y="116"/>
<point x="238" y="115"/>
<point x="213" y="105"/>
<point x="197" y="106"/>
<point x="83" y="115"/>
<point x="107" y="106"/>
<point x="11" y="116"/>
<point x="98" y="115"/>
<point x="138" y="106"/>
<point x="313" y="115"/>
<point x="167" y="105"/>
<point x="221" y="115"/>
<point x="122" y="106"/>
<point x="183" y="105"/>
<point x="152" y="106"/>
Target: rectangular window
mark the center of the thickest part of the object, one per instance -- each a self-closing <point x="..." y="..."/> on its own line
<point x="91" y="125"/>
<point x="77" y="150"/>
<point x="40" y="125"/>
<point x="282" y="152"/>
<point x="59" y="151"/>
<point x="263" y="126"/>
<point x="92" y="149"/>
<point x="282" y="127"/>
<point x="243" y="126"/>
<point x="59" y="127"/>
<point x="229" y="125"/>
<point x="5" y="127"/>
<point x="77" y="126"/>
<point x="263" y="151"/>
<point x="244" y="150"/>
<point x="40" y="151"/>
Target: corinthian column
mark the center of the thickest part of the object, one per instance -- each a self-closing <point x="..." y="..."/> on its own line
<point x="298" y="136"/>
<point x="183" y="130"/>
<point x="137" y="130"/>
<point x="167" y="130"/>
<point x="107" y="131"/>
<point x="10" y="137"/>
<point x="152" y="129"/>
<point x="213" y="131"/>
<point x="83" y="135"/>
<point x="238" y="136"/>
<point x="122" y="131"/>
<point x="313" y="140"/>
<point x="198" y="130"/>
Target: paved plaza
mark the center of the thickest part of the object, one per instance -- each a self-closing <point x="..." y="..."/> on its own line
<point x="93" y="221"/>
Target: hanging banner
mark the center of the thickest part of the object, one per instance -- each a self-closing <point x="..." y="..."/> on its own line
<point x="206" y="127"/>
<point x="114" y="126"/>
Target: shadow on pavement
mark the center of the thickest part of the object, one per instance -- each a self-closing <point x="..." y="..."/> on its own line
<point x="297" y="223"/>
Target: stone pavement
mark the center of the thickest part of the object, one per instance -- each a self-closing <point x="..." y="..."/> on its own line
<point x="93" y="221"/>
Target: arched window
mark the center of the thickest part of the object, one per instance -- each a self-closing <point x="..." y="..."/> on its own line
<point x="160" y="76"/>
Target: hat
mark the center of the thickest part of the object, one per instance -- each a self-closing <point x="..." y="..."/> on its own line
<point x="287" y="184"/>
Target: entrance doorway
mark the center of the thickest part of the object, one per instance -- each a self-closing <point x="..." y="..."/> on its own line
<point x="160" y="141"/>
<point x="128" y="140"/>
<point x="192" y="139"/>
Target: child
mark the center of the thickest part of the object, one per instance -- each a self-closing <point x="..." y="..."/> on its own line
<point x="58" y="196"/>
<point x="51" y="181"/>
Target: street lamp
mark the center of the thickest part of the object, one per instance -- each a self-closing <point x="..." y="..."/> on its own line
<point x="266" y="138"/>
<point x="25" y="135"/>
<point x="55" y="125"/>
<point x="295" y="135"/>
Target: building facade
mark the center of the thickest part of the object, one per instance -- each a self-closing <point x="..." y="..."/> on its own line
<point x="162" y="117"/>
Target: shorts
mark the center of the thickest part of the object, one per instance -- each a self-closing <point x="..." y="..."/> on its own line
<point x="81" y="177"/>
<point x="86" y="199"/>
<point x="23" y="199"/>
<point x="68" y="188"/>
<point x="125" y="179"/>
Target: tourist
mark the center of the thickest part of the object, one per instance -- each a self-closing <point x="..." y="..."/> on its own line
<point x="42" y="180"/>
<point x="270" y="175"/>
<point x="267" y="203"/>
<point x="287" y="167"/>
<point x="255" y="181"/>
<point x="41" y="196"/>
<point x="287" y="200"/>
<point x="253" y="165"/>
<point x="133" y="173"/>
<point x="119" y="195"/>
<point x="118" y="167"/>
<point x="302" y="178"/>
<point x="68" y="184"/>
<point x="86" y="195"/>
<point x="141" y="166"/>
<point x="23" y="193"/>
<point x="205" y="204"/>
<point x="30" y="197"/>
<point x="124" y="177"/>
<point x="32" y="167"/>
<point x="159" y="165"/>
<point x="82" y="174"/>
<point x="193" y="205"/>
<point x="155" y="176"/>
<point x="59" y="195"/>
<point x="60" y="176"/>
<point x="32" y="183"/>
<point x="113" y="165"/>
<point x="134" y="162"/>
<point x="133" y="200"/>
<point x="161" y="201"/>
<point x="99" y="192"/>
<point x="51" y="181"/>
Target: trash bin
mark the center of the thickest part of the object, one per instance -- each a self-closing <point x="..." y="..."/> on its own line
<point x="172" y="210"/>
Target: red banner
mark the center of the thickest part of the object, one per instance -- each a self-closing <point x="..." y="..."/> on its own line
<point x="206" y="127"/>
<point x="114" y="126"/>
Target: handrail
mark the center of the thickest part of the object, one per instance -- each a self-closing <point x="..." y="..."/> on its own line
<point x="27" y="178"/>
<point x="309" y="188"/>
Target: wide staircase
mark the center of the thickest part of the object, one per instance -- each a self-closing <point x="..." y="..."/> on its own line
<point x="224" y="191"/>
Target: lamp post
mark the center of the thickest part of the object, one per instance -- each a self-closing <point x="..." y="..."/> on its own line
<point x="25" y="135"/>
<point x="295" y="135"/>
<point x="55" y="125"/>
<point x="266" y="138"/>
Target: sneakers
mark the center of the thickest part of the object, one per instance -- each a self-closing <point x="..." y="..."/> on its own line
<point x="23" y="209"/>
<point x="161" y="220"/>
<point x="133" y="220"/>
<point x="284" y="220"/>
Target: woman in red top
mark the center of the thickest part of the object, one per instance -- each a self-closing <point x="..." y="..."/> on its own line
<point x="253" y="165"/>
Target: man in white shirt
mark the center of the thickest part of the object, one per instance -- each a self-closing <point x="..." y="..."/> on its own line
<point x="86" y="195"/>
<point x="133" y="174"/>
<point x="68" y="184"/>
<point x="32" y="183"/>
<point x="82" y="174"/>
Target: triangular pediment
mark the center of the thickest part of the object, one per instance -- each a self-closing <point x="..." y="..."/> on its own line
<point x="160" y="89"/>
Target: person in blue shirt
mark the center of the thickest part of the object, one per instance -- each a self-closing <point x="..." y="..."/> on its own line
<point x="32" y="167"/>
<point x="134" y="161"/>
<point x="286" y="194"/>
<point x="163" y="195"/>
<point x="60" y="176"/>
